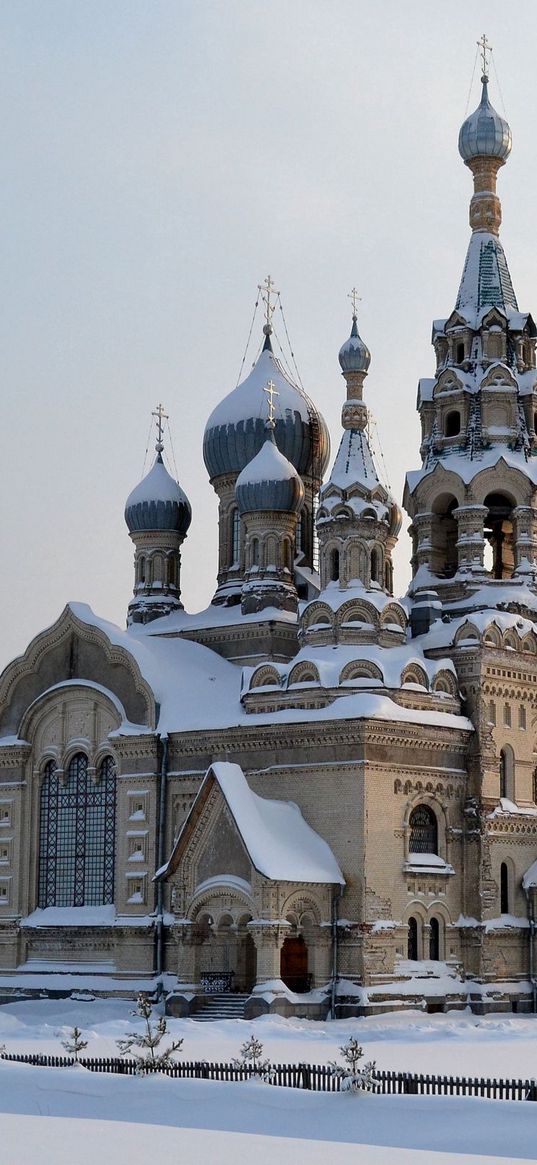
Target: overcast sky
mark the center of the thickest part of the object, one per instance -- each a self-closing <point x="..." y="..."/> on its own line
<point x="160" y="157"/>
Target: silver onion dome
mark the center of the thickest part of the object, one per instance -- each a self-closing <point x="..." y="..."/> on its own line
<point x="354" y="356"/>
<point x="235" y="431"/>
<point x="158" y="502"/>
<point x="485" y="133"/>
<point x="269" y="481"/>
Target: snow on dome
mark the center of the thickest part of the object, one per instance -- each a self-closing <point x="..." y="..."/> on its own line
<point x="354" y="356"/>
<point x="485" y="133"/>
<point x="158" y="502"/>
<point x="269" y="482"/>
<point x="235" y="431"/>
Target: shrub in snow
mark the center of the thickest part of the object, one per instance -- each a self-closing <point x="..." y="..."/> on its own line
<point x="251" y="1054"/>
<point x="74" y="1044"/>
<point x="145" y="1045"/>
<point x="353" y="1078"/>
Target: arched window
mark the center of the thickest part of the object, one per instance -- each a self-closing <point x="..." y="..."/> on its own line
<point x="77" y="835"/>
<point x="334" y="566"/>
<point x="423" y="831"/>
<point x="499" y="534"/>
<point x="452" y="423"/>
<point x="413" y="938"/>
<point x="534" y="785"/>
<point x="141" y="569"/>
<point x="374" y="565"/>
<point x="504" y="889"/>
<point x="254" y="551"/>
<point x="171" y="570"/>
<point x="434" y="939"/>
<point x="503" y="774"/>
<point x="460" y="353"/>
<point x="444" y="536"/>
<point x="235" y="540"/>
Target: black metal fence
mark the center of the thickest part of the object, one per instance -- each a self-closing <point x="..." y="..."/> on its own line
<point x="316" y="1077"/>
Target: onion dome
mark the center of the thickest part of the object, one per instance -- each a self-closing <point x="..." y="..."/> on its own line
<point x="158" y="502"/>
<point x="235" y="431"/>
<point x="485" y="134"/>
<point x="354" y="356"/>
<point x="269" y="481"/>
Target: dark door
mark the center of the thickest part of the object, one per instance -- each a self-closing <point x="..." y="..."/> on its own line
<point x="294" y="964"/>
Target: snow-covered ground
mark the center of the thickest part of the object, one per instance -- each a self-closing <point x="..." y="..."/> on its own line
<point x="127" y="1119"/>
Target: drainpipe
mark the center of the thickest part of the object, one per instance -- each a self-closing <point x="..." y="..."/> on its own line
<point x="159" y="953"/>
<point x="531" y="938"/>
<point x="335" y="936"/>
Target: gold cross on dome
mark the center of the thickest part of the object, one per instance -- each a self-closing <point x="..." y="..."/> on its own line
<point x="355" y="300"/>
<point x="268" y="289"/>
<point x="486" y="49"/>
<point x="160" y="416"/>
<point x="271" y="391"/>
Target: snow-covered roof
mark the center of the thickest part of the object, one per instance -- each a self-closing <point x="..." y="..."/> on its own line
<point x="279" y="842"/>
<point x="442" y="635"/>
<point x="329" y="662"/>
<point x="486" y="281"/>
<point x="354" y="463"/>
<point x="467" y="466"/>
<point x="530" y="877"/>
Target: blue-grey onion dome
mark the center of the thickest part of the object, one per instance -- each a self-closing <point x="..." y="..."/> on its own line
<point x="354" y="356"/>
<point x="235" y="431"/>
<point x="158" y="503"/>
<point x="484" y="134"/>
<point x="269" y="482"/>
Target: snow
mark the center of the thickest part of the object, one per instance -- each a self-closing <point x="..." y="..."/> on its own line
<point x="71" y="916"/>
<point x="157" y="485"/>
<point x="280" y="843"/>
<point x="353" y="464"/>
<point x="530" y="877"/>
<point x="55" y="1116"/>
<point x="428" y="862"/>
<point x="250" y="400"/>
<point x="267" y="465"/>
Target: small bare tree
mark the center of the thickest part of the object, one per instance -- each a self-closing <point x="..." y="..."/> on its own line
<point x="74" y="1044"/>
<point x="251" y="1054"/>
<point x="353" y="1078"/>
<point x="145" y="1045"/>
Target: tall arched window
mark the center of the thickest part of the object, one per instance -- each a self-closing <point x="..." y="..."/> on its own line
<point x="254" y="552"/>
<point x="413" y="938"/>
<point x="423" y="831"/>
<point x="374" y="565"/>
<point x="503" y="773"/>
<point x="235" y="538"/>
<point x="534" y="784"/>
<point x="334" y="566"/>
<point x="77" y="835"/>
<point x="504" y="889"/>
<point x="434" y="939"/>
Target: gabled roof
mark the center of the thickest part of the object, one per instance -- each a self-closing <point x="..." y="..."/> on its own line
<point x="278" y="841"/>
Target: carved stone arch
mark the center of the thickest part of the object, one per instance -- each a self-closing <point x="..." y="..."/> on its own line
<point x="529" y="643"/>
<point x="445" y="681"/>
<point x="101" y="754"/>
<point x="342" y="511"/>
<point x="265" y="676"/>
<point x="316" y="613"/>
<point x="417" y="909"/>
<point x="448" y="381"/>
<point x="357" y="611"/>
<point x="397" y="785"/>
<point x="467" y="632"/>
<point x="498" y="374"/>
<point x="70" y="718"/>
<point x="208" y="900"/>
<point x="73" y="646"/>
<point x="393" y="613"/>
<point x="301" y="903"/>
<point x="429" y="799"/>
<point x="502" y="478"/>
<point x="359" y="669"/>
<point x="414" y="673"/>
<point x="303" y="673"/>
<point x="511" y="640"/>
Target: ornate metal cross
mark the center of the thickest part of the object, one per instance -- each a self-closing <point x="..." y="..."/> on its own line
<point x="271" y="391"/>
<point x="161" y="416"/>
<point x="486" y="50"/>
<point x="268" y="289"/>
<point x="355" y="300"/>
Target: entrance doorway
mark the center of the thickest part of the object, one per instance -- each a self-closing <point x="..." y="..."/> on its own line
<point x="294" y="965"/>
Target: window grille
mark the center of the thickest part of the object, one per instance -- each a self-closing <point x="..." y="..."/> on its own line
<point x="423" y="831"/>
<point x="77" y="835"/>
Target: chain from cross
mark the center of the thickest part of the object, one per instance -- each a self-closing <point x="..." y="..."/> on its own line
<point x="355" y="300"/>
<point x="267" y="289"/>
<point x="160" y="416"/>
<point x="271" y="391"/>
<point x="486" y="48"/>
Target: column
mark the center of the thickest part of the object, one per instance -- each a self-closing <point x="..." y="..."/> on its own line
<point x="525" y="534"/>
<point x="471" y="541"/>
<point x="269" y="938"/>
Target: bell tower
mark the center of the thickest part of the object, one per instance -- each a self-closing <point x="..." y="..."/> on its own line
<point x="473" y="503"/>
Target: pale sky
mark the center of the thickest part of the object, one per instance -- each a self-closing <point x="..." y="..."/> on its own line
<point x="160" y="157"/>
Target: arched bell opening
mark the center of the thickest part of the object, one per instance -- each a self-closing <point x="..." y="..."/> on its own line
<point x="499" y="534"/>
<point x="452" y="423"/>
<point x="444" y="534"/>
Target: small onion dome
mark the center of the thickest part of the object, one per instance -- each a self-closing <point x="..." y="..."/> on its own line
<point x="235" y="430"/>
<point x="484" y="133"/>
<point x="354" y="356"/>
<point x="158" y="503"/>
<point x="269" y="482"/>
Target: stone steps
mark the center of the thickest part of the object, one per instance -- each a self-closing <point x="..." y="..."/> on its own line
<point x="220" y="1006"/>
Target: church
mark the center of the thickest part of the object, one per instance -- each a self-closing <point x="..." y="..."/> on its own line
<point x="312" y="798"/>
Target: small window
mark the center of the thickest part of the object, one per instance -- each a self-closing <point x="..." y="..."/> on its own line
<point x="460" y="353"/>
<point x="492" y="712"/>
<point x="141" y="569"/>
<point x="413" y="938"/>
<point x="452" y="424"/>
<point x="334" y="566"/>
<point x="423" y="831"/>
<point x="522" y="716"/>
<point x="504" y="889"/>
<point x="503" y="774"/>
<point x="434" y="939"/>
<point x="507" y="715"/>
<point x="374" y="565"/>
<point x="255" y="552"/>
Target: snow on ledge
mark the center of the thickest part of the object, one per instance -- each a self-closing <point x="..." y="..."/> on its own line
<point x="427" y="864"/>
